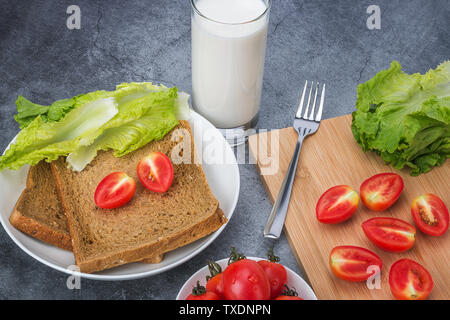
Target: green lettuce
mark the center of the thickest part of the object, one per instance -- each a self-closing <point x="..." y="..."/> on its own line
<point x="405" y="118"/>
<point x="123" y="120"/>
<point x="27" y="111"/>
<point x="49" y="140"/>
<point x="139" y="121"/>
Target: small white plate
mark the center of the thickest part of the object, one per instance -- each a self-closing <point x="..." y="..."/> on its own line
<point x="222" y="173"/>
<point x="293" y="281"/>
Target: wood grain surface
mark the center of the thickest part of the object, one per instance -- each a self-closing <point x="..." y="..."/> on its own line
<point x="332" y="157"/>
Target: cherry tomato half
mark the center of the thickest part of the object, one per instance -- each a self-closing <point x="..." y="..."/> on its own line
<point x="155" y="172"/>
<point x="115" y="190"/>
<point x="245" y="279"/>
<point x="409" y="280"/>
<point x="380" y="191"/>
<point x="352" y="263"/>
<point x="430" y="214"/>
<point x="390" y="234"/>
<point x="337" y="204"/>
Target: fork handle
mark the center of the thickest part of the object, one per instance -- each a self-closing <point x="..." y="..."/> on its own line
<point x="278" y="214"/>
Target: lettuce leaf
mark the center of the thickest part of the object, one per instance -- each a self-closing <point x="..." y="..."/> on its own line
<point x="27" y="111"/>
<point x="139" y="121"/>
<point x="123" y="120"/>
<point x="49" y="140"/>
<point x="405" y="118"/>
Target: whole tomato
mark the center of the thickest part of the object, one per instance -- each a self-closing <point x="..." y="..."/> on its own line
<point x="275" y="272"/>
<point x="245" y="279"/>
<point x="288" y="294"/>
<point x="214" y="282"/>
<point x="200" y="293"/>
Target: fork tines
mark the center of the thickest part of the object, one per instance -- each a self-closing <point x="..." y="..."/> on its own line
<point x="313" y="106"/>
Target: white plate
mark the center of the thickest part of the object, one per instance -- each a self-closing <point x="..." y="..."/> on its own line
<point x="293" y="281"/>
<point x="222" y="176"/>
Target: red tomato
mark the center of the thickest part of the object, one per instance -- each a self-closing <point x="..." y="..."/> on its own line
<point x="351" y="263"/>
<point x="215" y="284"/>
<point x="200" y="293"/>
<point x="277" y="276"/>
<point x="115" y="190"/>
<point x="430" y="214"/>
<point x="208" y="295"/>
<point x="288" y="294"/>
<point x="409" y="280"/>
<point x="380" y="191"/>
<point x="288" y="298"/>
<point x="155" y="172"/>
<point x="337" y="204"/>
<point x="390" y="234"/>
<point x="245" y="280"/>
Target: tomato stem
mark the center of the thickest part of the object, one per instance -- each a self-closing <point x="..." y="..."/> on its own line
<point x="289" y="292"/>
<point x="271" y="256"/>
<point x="235" y="256"/>
<point x="198" y="290"/>
<point x="214" y="269"/>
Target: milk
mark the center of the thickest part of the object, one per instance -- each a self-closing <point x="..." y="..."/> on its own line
<point x="228" y="60"/>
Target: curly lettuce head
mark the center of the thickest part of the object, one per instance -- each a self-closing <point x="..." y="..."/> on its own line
<point x="405" y="118"/>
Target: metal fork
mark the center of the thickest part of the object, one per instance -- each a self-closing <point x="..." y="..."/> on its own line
<point x="304" y="125"/>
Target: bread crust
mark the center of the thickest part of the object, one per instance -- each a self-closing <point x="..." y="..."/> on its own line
<point x="34" y="227"/>
<point x="40" y="231"/>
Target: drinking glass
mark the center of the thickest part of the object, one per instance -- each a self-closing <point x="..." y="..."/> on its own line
<point x="228" y="63"/>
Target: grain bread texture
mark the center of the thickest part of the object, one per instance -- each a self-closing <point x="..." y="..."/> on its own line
<point x="38" y="211"/>
<point x="151" y="223"/>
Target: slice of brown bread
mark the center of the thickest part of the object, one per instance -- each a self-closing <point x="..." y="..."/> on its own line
<point x="150" y="224"/>
<point x="38" y="211"/>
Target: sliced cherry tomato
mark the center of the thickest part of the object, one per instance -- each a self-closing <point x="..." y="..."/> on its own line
<point x="155" y="172"/>
<point x="288" y="294"/>
<point x="115" y="190"/>
<point x="409" y="280"/>
<point x="351" y="263"/>
<point x="337" y="204"/>
<point x="276" y="273"/>
<point x="214" y="282"/>
<point x="430" y="214"/>
<point x="245" y="279"/>
<point x="380" y="191"/>
<point x="200" y="293"/>
<point x="390" y="234"/>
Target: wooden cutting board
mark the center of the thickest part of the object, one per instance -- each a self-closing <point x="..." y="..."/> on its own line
<point x="332" y="157"/>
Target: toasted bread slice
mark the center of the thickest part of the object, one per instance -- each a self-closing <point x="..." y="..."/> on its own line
<point x="150" y="224"/>
<point x="38" y="211"/>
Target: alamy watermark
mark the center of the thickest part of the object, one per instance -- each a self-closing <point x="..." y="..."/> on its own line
<point x="374" y="19"/>
<point x="74" y="280"/>
<point x="74" y="20"/>
<point x="374" y="281"/>
<point x="211" y="149"/>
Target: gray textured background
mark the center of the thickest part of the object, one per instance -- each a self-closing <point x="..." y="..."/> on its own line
<point x="122" y="41"/>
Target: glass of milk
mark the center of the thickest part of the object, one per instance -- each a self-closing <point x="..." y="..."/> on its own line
<point x="228" y="50"/>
